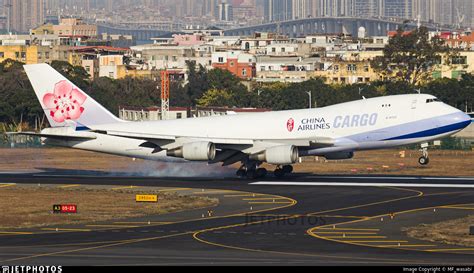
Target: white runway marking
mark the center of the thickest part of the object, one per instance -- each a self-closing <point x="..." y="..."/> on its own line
<point x="400" y="178"/>
<point x="344" y="184"/>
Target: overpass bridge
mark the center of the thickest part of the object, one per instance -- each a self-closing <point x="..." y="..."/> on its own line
<point x="307" y="26"/>
<point x="142" y="33"/>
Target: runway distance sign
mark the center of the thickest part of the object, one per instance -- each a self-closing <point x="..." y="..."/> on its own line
<point x="65" y="208"/>
<point x="146" y="198"/>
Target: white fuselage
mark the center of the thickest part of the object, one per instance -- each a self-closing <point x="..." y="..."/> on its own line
<point x="359" y="125"/>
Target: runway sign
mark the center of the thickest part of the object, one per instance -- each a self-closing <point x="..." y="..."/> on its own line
<point x="65" y="208"/>
<point x="147" y="198"/>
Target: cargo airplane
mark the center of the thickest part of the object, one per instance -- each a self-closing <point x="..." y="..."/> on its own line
<point x="278" y="138"/>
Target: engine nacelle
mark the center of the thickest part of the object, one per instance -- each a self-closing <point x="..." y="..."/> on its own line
<point x="280" y="155"/>
<point x="339" y="156"/>
<point x="195" y="151"/>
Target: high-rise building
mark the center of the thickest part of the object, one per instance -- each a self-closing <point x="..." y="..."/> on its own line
<point x="226" y="12"/>
<point x="398" y="8"/>
<point x="278" y="10"/>
<point x="25" y="14"/>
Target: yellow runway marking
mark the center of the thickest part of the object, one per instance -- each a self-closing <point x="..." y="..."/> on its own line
<point x="15" y="233"/>
<point x="212" y="192"/>
<point x="454" y="207"/>
<point x="263" y="198"/>
<point x="115" y="226"/>
<point x="395" y="246"/>
<point x="343" y="232"/>
<point x="269" y="203"/>
<point x="7" y="185"/>
<point x="355" y="237"/>
<point x="143" y="223"/>
<point x="69" y="186"/>
<point x="361" y="229"/>
<point x="450" y="249"/>
<point x="245" y="195"/>
<point x="66" y="229"/>
<point x="375" y="241"/>
<point x="175" y="189"/>
<point x="124" y="188"/>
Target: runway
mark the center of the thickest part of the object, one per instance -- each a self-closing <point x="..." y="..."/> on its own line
<point x="301" y="220"/>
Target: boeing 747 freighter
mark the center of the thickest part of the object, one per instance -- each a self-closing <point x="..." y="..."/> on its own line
<point x="277" y="138"/>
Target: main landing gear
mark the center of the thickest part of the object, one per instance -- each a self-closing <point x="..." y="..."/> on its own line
<point x="424" y="159"/>
<point x="251" y="170"/>
<point x="282" y="171"/>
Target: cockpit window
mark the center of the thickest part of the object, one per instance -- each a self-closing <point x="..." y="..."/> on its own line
<point x="433" y="100"/>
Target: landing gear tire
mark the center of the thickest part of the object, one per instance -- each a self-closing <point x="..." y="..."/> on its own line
<point x="262" y="173"/>
<point x="251" y="174"/>
<point x="241" y="173"/>
<point x="279" y="173"/>
<point x="424" y="160"/>
<point x="287" y="169"/>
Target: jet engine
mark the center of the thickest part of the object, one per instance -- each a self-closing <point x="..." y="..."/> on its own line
<point x="195" y="151"/>
<point x="339" y="156"/>
<point x="280" y="155"/>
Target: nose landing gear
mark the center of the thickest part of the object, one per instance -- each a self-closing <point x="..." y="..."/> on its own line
<point x="424" y="159"/>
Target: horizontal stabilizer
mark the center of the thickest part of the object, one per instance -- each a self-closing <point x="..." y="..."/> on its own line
<point x="55" y="136"/>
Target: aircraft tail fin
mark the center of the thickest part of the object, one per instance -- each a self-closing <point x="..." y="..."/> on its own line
<point x="64" y="104"/>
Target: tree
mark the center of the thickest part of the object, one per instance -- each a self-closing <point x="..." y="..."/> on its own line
<point x="411" y="56"/>
<point x="197" y="81"/>
<point x="76" y="74"/>
<point x="216" y="97"/>
<point x="18" y="101"/>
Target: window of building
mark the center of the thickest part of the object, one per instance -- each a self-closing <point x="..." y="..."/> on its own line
<point x="336" y="68"/>
<point x="179" y="116"/>
<point x="220" y="59"/>
<point x="232" y="63"/>
<point x="40" y="55"/>
<point x="459" y="60"/>
<point x="46" y="55"/>
<point x="352" y="67"/>
<point x="283" y="49"/>
<point x="244" y="72"/>
<point x="262" y="68"/>
<point x="17" y="55"/>
<point x="366" y="68"/>
<point x="274" y="49"/>
<point x="111" y="74"/>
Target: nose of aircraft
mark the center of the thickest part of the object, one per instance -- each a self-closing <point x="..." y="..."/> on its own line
<point x="463" y="119"/>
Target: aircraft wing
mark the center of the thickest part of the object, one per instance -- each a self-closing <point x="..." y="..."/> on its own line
<point x="230" y="150"/>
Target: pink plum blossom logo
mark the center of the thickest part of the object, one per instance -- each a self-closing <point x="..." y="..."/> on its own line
<point x="65" y="103"/>
<point x="290" y="125"/>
